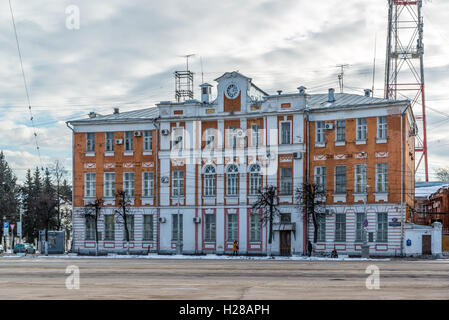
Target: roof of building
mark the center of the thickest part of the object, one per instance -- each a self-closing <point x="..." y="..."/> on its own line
<point x="426" y="189"/>
<point x="141" y="114"/>
<point x="345" y="100"/>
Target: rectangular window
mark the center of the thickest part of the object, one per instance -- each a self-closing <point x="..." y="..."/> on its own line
<point x="340" y="179"/>
<point x="174" y="234"/>
<point x="130" y="225"/>
<point x="321" y="236"/>
<point x="232" y="137"/>
<point x="320" y="127"/>
<point x="148" y="184"/>
<point x="286" y="181"/>
<point x="233" y="227"/>
<point x="148" y="140"/>
<point x="109" y="184"/>
<point x="109" y="141"/>
<point x="320" y="177"/>
<point x="210" y="138"/>
<point x="382" y="227"/>
<point x="90" y="228"/>
<point x="255" y="227"/>
<point x="89" y="184"/>
<point x="129" y="142"/>
<point x="359" y="232"/>
<point x="361" y="129"/>
<point x="255" y="180"/>
<point x="255" y="135"/>
<point x="285" y="132"/>
<point x="341" y="130"/>
<point x="360" y="178"/>
<point x="90" y="141"/>
<point x="382" y="127"/>
<point x="381" y="177"/>
<point x="148" y="227"/>
<point x="109" y="227"/>
<point x="340" y="227"/>
<point x="178" y="183"/>
<point x="128" y="183"/>
<point x="209" y="228"/>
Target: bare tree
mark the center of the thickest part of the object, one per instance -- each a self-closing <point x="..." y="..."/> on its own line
<point x="267" y="204"/>
<point x="442" y="174"/>
<point x="59" y="172"/>
<point x="313" y="197"/>
<point x="124" y="204"/>
<point x="93" y="211"/>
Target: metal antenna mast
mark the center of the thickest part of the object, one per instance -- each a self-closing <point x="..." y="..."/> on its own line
<point x="341" y="75"/>
<point x="404" y="69"/>
<point x="184" y="82"/>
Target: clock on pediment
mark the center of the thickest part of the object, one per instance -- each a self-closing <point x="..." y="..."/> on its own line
<point x="232" y="91"/>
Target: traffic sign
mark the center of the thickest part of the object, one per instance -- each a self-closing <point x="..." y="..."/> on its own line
<point x="365" y="223"/>
<point x="5" y="225"/>
<point x="12" y="227"/>
<point x="19" y="229"/>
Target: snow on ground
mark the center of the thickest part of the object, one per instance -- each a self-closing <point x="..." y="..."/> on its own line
<point x="200" y="257"/>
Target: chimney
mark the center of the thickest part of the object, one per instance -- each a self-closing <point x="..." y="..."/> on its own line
<point x="92" y="114"/>
<point x="331" y="95"/>
<point x="206" y="91"/>
<point x="367" y="92"/>
<point x="116" y="110"/>
<point x="302" y="90"/>
<point x="279" y="92"/>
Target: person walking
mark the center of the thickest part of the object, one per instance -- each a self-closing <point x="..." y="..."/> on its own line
<point x="235" y="248"/>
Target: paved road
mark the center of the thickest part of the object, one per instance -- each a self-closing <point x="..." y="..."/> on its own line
<point x="102" y="278"/>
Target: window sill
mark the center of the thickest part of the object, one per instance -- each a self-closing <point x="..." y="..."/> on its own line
<point x="109" y="153"/>
<point x="147" y="153"/>
<point x="319" y="145"/>
<point x="90" y="153"/>
<point x="381" y="140"/>
<point x="360" y="142"/>
<point x="340" y="143"/>
<point x="128" y="153"/>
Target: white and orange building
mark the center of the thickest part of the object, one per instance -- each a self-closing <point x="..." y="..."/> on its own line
<point x="206" y="159"/>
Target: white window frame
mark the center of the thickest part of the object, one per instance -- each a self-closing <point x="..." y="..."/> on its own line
<point x="382" y="177"/>
<point x="286" y="187"/>
<point x="340" y="228"/>
<point x="147" y="184"/>
<point x="210" y="178"/>
<point x="109" y="184"/>
<point x="128" y="184"/>
<point x="320" y="127"/>
<point x="321" y="231"/>
<point x="109" y="227"/>
<point x="109" y="142"/>
<point x="285" y="138"/>
<point x="209" y="227"/>
<point x="90" y="228"/>
<point x="337" y="128"/>
<point x="337" y="191"/>
<point x="382" y="128"/>
<point x="359" y="228"/>
<point x="232" y="232"/>
<point x="232" y="137"/>
<point x="148" y="227"/>
<point x="320" y="177"/>
<point x="129" y="140"/>
<point x="174" y="232"/>
<point x="209" y="138"/>
<point x="382" y="227"/>
<point x="255" y="179"/>
<point x="148" y="140"/>
<point x="178" y="132"/>
<point x="255" y="135"/>
<point x="360" y="178"/>
<point x="90" y="184"/>
<point x="90" y="142"/>
<point x="255" y="227"/>
<point x="232" y="180"/>
<point x="178" y="183"/>
<point x="361" y="129"/>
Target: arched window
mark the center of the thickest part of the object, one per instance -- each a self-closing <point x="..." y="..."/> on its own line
<point x="255" y="180"/>
<point x="209" y="181"/>
<point x="232" y="180"/>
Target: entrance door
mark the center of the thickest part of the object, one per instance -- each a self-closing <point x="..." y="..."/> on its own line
<point x="426" y="244"/>
<point x="285" y="243"/>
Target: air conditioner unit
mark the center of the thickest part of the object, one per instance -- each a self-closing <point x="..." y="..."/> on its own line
<point x="329" y="126"/>
<point x="137" y="133"/>
<point x="118" y="141"/>
<point x="162" y="220"/>
<point x="164" y="179"/>
<point x="197" y="220"/>
<point x="297" y="155"/>
<point x="165" y="132"/>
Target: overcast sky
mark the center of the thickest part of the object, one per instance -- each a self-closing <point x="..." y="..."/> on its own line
<point x="125" y="52"/>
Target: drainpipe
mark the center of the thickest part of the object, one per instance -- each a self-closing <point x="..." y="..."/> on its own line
<point x="307" y="110"/>
<point x="157" y="180"/>
<point x="402" y="181"/>
<point x="73" y="180"/>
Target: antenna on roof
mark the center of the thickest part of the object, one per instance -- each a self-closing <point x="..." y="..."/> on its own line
<point x="341" y="75"/>
<point x="374" y="64"/>
<point x="184" y="82"/>
<point x="202" y="73"/>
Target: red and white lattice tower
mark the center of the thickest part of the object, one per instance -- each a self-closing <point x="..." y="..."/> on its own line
<point x="404" y="68"/>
